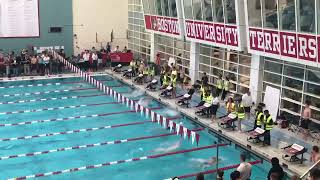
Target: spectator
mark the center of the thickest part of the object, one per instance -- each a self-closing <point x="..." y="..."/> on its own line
<point x="108" y="47"/>
<point x="276" y="168"/>
<point x="305" y="119"/>
<point x="314" y="174"/>
<point x="200" y="176"/>
<point x="235" y="175"/>
<point x="94" y="62"/>
<point x="205" y="79"/>
<point x="125" y="50"/>
<point x="226" y="88"/>
<point x="26" y="64"/>
<point x="315" y="155"/>
<point x="116" y="49"/>
<point x="247" y="103"/>
<point x="220" y="175"/>
<point x="244" y="168"/>
<point x="46" y="61"/>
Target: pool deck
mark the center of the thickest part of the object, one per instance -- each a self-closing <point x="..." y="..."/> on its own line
<point x="266" y="152"/>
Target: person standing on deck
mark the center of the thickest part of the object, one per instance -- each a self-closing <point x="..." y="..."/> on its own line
<point x="305" y="119"/>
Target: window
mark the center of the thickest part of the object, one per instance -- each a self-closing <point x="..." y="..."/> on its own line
<point x="146" y="6"/>
<point x="313" y="76"/>
<point x="158" y="7"/>
<point x="207" y="10"/>
<point x="291" y="106"/>
<point x="187" y="4"/>
<point x="165" y="7"/>
<point x="273" y="67"/>
<point x="296" y="96"/>
<point x="306" y="16"/>
<point x="230" y="7"/>
<point x="197" y="13"/>
<point x="152" y="6"/>
<point x="272" y="78"/>
<point x="292" y="83"/>
<point x="254" y="13"/>
<point x="292" y="71"/>
<point x="217" y="7"/>
<point x="173" y="8"/>
<point x="312" y="89"/>
<point x="271" y="14"/>
<point x="287" y="12"/>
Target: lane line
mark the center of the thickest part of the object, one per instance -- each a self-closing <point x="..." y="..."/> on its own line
<point x="79" y="130"/>
<point x="47" y="84"/>
<point x="46" y="92"/>
<point x="49" y="99"/>
<point x="116" y="162"/>
<point x="91" y="145"/>
<point x="57" y="108"/>
<point x="73" y="131"/>
<point x="64" y="119"/>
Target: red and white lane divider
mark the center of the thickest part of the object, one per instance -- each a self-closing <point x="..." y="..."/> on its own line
<point x="134" y="105"/>
<point x="215" y="170"/>
<point x="46" y="92"/>
<point x="73" y="131"/>
<point x="46" y="84"/>
<point x="57" y="108"/>
<point x="115" y="162"/>
<point x="66" y="118"/>
<point x="90" y="145"/>
<point x="51" y="99"/>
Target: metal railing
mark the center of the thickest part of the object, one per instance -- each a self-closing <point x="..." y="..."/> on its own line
<point x="306" y="174"/>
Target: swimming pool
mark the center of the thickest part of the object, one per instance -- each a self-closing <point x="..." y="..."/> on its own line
<point x="66" y="129"/>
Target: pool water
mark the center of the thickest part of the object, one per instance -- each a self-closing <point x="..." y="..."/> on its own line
<point x="28" y="110"/>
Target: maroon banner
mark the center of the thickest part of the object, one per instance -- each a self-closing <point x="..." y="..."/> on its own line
<point x="212" y="32"/>
<point x="288" y="44"/>
<point x="121" y="57"/>
<point x="162" y="24"/>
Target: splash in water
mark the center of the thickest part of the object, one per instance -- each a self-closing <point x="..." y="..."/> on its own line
<point x="145" y="101"/>
<point x="135" y="93"/>
<point x="170" y="112"/>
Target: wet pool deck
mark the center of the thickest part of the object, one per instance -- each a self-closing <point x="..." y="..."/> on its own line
<point x="279" y="137"/>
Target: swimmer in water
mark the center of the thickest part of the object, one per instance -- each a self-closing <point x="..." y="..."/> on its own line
<point x="170" y="148"/>
<point x="204" y="163"/>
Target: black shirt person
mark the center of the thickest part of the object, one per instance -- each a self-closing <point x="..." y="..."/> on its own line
<point x="204" y="79"/>
<point x="276" y="169"/>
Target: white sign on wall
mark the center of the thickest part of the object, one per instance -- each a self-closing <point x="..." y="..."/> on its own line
<point x="19" y="18"/>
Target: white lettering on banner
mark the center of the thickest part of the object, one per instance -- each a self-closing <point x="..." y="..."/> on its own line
<point x="276" y="42"/>
<point x="162" y="24"/>
<point x="212" y="32"/>
<point x="303" y="46"/>
<point x="313" y="48"/>
<point x="287" y="44"/>
<point x="260" y="40"/>
<point x="253" y="35"/>
<point x="268" y="41"/>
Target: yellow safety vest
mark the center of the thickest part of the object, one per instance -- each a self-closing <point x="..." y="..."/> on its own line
<point x="151" y="71"/>
<point x="226" y="85"/>
<point x="145" y="72"/>
<point x="258" y="119"/>
<point x="174" y="81"/>
<point x="268" y="123"/>
<point x="166" y="80"/>
<point x="219" y="84"/>
<point x="230" y="107"/>
<point x="241" y="112"/>
<point x="208" y="99"/>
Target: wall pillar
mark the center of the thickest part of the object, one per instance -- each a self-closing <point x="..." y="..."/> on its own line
<point x="153" y="48"/>
<point x="194" y="61"/>
<point x="256" y="77"/>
